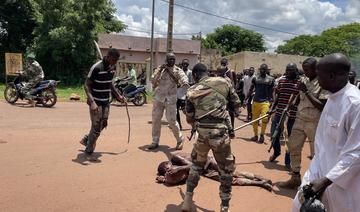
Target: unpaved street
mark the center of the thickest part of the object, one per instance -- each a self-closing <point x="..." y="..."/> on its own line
<point x="42" y="166"/>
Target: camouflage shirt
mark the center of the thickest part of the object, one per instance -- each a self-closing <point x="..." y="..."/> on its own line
<point x="207" y="101"/>
<point x="165" y="87"/>
<point x="34" y="71"/>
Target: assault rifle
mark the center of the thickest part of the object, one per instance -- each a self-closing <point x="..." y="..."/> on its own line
<point x="280" y="125"/>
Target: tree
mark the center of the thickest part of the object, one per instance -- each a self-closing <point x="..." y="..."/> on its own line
<point x="344" y="39"/>
<point x="17" y="22"/>
<point x="65" y="33"/>
<point x="231" y="39"/>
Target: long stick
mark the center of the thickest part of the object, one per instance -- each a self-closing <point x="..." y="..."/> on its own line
<point x="128" y="116"/>
<point x="98" y="49"/>
<point x="255" y="120"/>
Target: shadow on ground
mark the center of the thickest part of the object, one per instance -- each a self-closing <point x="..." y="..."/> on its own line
<point x="284" y="192"/>
<point x="176" y="208"/>
<point x="273" y="165"/>
<point x="162" y="148"/>
<point x="85" y="160"/>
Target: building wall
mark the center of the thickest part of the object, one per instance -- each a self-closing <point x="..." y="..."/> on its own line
<point x="276" y="62"/>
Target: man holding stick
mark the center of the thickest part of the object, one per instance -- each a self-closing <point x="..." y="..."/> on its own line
<point x="98" y="86"/>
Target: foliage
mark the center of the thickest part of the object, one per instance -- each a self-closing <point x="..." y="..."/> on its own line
<point x="17" y="23"/>
<point x="344" y="39"/>
<point x="65" y="33"/>
<point x="230" y="39"/>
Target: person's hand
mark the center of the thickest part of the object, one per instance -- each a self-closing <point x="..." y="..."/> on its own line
<point x="270" y="112"/>
<point x="302" y="87"/>
<point x="320" y="184"/>
<point x="174" y="170"/>
<point x="121" y="99"/>
<point x="94" y="107"/>
<point x="237" y="112"/>
<point x="160" y="179"/>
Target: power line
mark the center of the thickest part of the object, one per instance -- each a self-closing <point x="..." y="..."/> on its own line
<point x="231" y="19"/>
<point x="137" y="29"/>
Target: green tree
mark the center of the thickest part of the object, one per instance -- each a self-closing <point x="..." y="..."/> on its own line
<point x="17" y="22"/>
<point x="230" y="39"/>
<point x="65" y="33"/>
<point x="344" y="39"/>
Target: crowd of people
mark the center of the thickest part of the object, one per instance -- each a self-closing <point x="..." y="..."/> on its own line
<point x="318" y="103"/>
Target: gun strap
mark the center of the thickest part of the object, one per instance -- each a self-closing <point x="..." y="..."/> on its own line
<point x="215" y="89"/>
<point x="172" y="76"/>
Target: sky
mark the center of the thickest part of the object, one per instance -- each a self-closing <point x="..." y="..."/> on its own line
<point x="293" y="16"/>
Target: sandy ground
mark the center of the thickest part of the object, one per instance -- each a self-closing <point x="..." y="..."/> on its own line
<point x="43" y="168"/>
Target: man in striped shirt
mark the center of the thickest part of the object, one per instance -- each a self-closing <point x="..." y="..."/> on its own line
<point x="98" y="86"/>
<point x="286" y="87"/>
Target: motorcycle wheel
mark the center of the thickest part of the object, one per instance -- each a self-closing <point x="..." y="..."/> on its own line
<point x="11" y="95"/>
<point x="49" y="98"/>
<point x="139" y="99"/>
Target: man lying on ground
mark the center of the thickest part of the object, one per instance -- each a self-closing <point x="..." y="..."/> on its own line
<point x="176" y="171"/>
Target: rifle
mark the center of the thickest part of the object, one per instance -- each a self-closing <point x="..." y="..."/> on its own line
<point x="280" y="124"/>
<point x="193" y="131"/>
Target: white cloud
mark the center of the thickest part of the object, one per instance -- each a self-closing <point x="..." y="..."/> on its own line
<point x="296" y="16"/>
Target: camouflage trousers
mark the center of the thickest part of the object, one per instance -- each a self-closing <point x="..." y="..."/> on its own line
<point x="98" y="123"/>
<point x="170" y="113"/>
<point x="218" y="141"/>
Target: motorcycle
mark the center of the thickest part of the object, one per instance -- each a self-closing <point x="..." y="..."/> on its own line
<point x="134" y="94"/>
<point x="44" y="92"/>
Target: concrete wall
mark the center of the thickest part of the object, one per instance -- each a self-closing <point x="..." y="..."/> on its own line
<point x="276" y="62"/>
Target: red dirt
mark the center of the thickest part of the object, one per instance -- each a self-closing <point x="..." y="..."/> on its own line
<point x="43" y="167"/>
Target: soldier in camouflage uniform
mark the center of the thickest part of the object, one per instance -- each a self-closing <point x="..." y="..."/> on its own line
<point x="34" y="73"/>
<point x="206" y="108"/>
<point x="166" y="80"/>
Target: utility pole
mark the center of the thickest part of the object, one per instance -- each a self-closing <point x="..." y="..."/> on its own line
<point x="170" y="26"/>
<point x="200" y="45"/>
<point x="151" y="47"/>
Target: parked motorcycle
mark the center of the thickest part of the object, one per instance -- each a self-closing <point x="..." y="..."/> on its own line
<point x="44" y="92"/>
<point x="134" y="94"/>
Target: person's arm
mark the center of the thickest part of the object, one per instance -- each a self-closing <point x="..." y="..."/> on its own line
<point x="179" y="159"/>
<point x="90" y="99"/>
<point x="271" y="90"/>
<point x="234" y="100"/>
<point x="252" y="87"/>
<point x="190" y="112"/>
<point x="346" y="171"/>
<point x="117" y="94"/>
<point x="319" y="104"/>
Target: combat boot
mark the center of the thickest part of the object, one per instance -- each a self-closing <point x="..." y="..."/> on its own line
<point x="224" y="209"/>
<point x="153" y="146"/>
<point x="186" y="207"/>
<point x="293" y="183"/>
<point x="180" y="144"/>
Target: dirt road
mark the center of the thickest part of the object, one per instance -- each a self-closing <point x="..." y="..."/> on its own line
<point x="42" y="166"/>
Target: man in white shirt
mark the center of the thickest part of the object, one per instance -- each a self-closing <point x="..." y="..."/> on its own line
<point x="247" y="84"/>
<point x="181" y="91"/>
<point x="335" y="168"/>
